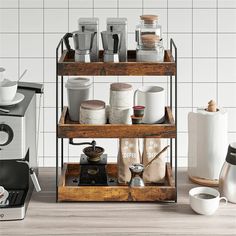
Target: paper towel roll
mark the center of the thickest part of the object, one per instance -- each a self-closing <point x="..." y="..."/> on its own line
<point x="207" y="143"/>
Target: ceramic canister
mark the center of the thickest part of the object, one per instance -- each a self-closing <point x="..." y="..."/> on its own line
<point x="93" y="112"/>
<point x="78" y="90"/>
<point x="121" y="95"/>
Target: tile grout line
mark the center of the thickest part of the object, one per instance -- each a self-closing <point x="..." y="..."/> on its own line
<point x="217" y="53"/>
<point x="192" y="56"/>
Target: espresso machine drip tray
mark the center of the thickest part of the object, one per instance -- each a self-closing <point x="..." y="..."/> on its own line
<point x="16" y="198"/>
<point x="93" y="173"/>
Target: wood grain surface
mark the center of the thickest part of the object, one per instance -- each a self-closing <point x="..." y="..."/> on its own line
<point x="45" y="217"/>
<point x="67" y="66"/>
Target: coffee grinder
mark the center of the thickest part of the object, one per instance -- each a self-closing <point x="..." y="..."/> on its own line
<point x="92" y="165"/>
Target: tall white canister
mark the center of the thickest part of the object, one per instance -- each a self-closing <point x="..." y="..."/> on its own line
<point x="207" y="144"/>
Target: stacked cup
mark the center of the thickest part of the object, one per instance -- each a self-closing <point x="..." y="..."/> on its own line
<point x="121" y="103"/>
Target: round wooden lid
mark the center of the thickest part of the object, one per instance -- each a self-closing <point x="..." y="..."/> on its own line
<point x="149" y="18"/>
<point x="93" y="105"/>
<point x="121" y="87"/>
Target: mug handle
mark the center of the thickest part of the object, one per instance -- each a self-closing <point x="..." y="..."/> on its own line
<point x="225" y="199"/>
<point x="135" y="96"/>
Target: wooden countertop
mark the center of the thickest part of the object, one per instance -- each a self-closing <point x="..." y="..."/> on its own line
<point x="46" y="217"/>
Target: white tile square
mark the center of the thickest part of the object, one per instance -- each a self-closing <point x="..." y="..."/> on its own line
<point x="9" y="20"/>
<point x="227" y="45"/>
<point x="105" y="79"/>
<point x="103" y="14"/>
<point x="204" y="70"/>
<point x="11" y="66"/>
<point x="231" y="137"/>
<point x="155" y="4"/>
<point x="9" y="4"/>
<point x="130" y="79"/>
<point x="55" y="20"/>
<point x="31" y="45"/>
<point x="132" y="45"/>
<point x="226" y="70"/>
<point x="226" y="3"/>
<point x="133" y="17"/>
<point x="31" y="4"/>
<point x="204" y="20"/>
<point x="227" y="95"/>
<point x="203" y="93"/>
<point x="231" y="119"/>
<point x="50" y="95"/>
<point x="130" y="3"/>
<point x="162" y="17"/>
<point x="50" y="42"/>
<point x="183" y="119"/>
<point x="31" y="20"/>
<point x="227" y="20"/>
<point x="204" y="45"/>
<point x="34" y="68"/>
<point x="49" y="122"/>
<point x="184" y="44"/>
<point x="205" y="3"/>
<point x="80" y="3"/>
<point x="50" y="144"/>
<point x="154" y="79"/>
<point x="55" y="4"/>
<point x="105" y="4"/>
<point x="9" y="45"/>
<point x="102" y="92"/>
<point x="180" y="20"/>
<point x="49" y="70"/>
<point x="182" y="144"/>
<point x="75" y="14"/>
<point x="40" y="145"/>
<point x="184" y="70"/>
<point x="179" y="4"/>
<point x="184" y="91"/>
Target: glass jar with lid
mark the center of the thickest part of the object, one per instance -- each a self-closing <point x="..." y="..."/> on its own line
<point x="151" y="49"/>
<point x="148" y="25"/>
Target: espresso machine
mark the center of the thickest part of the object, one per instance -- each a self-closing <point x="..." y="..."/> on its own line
<point x="83" y="43"/>
<point x="18" y="153"/>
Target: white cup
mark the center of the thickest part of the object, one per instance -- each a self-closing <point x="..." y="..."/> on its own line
<point x="120" y="115"/>
<point x="205" y="206"/>
<point x="153" y="98"/>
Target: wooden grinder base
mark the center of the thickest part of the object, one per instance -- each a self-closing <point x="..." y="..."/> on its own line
<point x="204" y="182"/>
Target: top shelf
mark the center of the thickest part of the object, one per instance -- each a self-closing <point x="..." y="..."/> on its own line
<point x="67" y="66"/>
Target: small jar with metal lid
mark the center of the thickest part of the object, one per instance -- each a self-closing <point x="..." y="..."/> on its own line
<point x="151" y="49"/>
<point x="93" y="112"/>
<point x="148" y="25"/>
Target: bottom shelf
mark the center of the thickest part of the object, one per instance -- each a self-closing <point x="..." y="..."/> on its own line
<point x="68" y="189"/>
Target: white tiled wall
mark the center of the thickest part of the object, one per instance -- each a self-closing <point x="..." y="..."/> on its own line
<point x="204" y="31"/>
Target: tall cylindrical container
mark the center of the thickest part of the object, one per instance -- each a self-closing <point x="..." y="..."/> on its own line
<point x="207" y="145"/>
<point x="78" y="90"/>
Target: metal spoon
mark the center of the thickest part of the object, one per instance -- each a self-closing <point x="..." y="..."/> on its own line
<point x="22" y="75"/>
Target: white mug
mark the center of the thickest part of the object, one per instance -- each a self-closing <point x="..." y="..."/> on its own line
<point x="153" y="98"/>
<point x="205" y="206"/>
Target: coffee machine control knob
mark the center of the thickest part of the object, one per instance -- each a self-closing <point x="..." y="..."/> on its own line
<point x="6" y="134"/>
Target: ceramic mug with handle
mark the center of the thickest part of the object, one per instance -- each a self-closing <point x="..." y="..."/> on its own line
<point x="205" y="200"/>
<point x="153" y="98"/>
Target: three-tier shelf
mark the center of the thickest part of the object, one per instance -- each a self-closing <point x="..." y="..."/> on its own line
<point x="66" y="188"/>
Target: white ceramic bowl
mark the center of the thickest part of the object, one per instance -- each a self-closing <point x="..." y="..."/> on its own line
<point x="7" y="90"/>
<point x="205" y="206"/>
<point x="2" y="191"/>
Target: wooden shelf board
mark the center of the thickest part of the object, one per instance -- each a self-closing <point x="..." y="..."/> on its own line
<point x="67" y="66"/>
<point x="152" y="193"/>
<point x="70" y="129"/>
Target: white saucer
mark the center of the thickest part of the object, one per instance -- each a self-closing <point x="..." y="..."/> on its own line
<point x="18" y="98"/>
<point x="5" y="196"/>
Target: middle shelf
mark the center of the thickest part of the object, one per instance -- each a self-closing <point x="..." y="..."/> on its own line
<point x="70" y="129"/>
